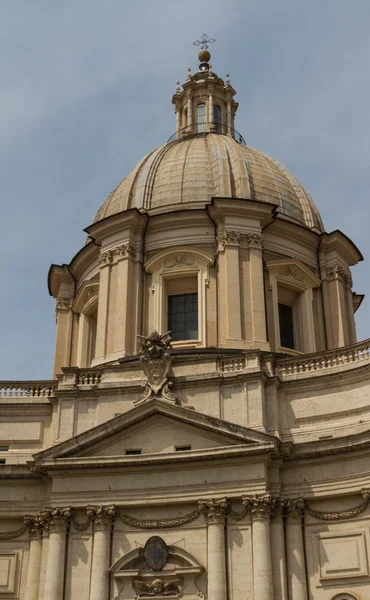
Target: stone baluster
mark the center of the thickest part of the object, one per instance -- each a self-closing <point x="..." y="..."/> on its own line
<point x="260" y="511"/>
<point x="297" y="583"/>
<point x="102" y="518"/>
<point x="215" y="512"/>
<point x="57" y="518"/>
<point x="278" y="560"/>
<point x="34" y="561"/>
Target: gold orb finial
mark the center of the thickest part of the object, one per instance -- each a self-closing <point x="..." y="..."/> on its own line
<point x="204" y="56"/>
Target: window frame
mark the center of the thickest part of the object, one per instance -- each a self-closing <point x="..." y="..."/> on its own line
<point x="292" y="275"/>
<point x="201" y="124"/>
<point x="178" y="263"/>
<point x="86" y="306"/>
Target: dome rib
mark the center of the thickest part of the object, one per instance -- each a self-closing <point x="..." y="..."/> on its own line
<point x="190" y="172"/>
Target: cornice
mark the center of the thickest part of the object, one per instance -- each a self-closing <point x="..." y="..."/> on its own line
<point x="95" y="464"/>
<point x="329" y="447"/>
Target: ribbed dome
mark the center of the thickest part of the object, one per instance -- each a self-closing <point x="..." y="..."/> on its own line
<point x="189" y="172"/>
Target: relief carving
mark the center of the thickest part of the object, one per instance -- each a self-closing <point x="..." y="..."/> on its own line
<point x="156" y="362"/>
<point x="181" y="260"/>
<point x="158" y="586"/>
<point x="293" y="272"/>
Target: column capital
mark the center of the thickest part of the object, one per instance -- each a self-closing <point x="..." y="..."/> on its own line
<point x="255" y="240"/>
<point x="294" y="509"/>
<point x="259" y="507"/>
<point x="125" y="250"/>
<point x="278" y="509"/>
<point x="55" y="518"/>
<point x="101" y="516"/>
<point x="34" y="526"/>
<point x="63" y="303"/>
<point x="230" y="238"/>
<point x="214" y="510"/>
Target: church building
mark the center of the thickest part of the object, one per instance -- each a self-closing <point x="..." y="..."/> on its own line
<point x="206" y="432"/>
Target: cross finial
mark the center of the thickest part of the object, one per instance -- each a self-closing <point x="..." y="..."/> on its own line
<point x="204" y="41"/>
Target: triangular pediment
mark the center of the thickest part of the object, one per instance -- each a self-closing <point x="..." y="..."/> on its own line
<point x="155" y="428"/>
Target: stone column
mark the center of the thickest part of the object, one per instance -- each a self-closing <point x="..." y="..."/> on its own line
<point x="297" y="583"/>
<point x="190" y="112"/>
<point x="102" y="519"/>
<point x="229" y="118"/>
<point x="260" y="510"/>
<point x="44" y="561"/>
<point x="34" y="560"/>
<point x="178" y="120"/>
<point x="210" y="110"/>
<point x="58" y="520"/>
<point x="278" y="550"/>
<point x="215" y="512"/>
<point x="183" y="118"/>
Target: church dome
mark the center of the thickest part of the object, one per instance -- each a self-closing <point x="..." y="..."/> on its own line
<point x="188" y="172"/>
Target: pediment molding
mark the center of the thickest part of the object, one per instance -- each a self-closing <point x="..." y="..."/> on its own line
<point x="76" y="448"/>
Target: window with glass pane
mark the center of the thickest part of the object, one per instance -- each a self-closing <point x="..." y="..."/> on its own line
<point x="182" y="316"/>
<point x="217" y="118"/>
<point x="286" y="326"/>
<point x="201" y="118"/>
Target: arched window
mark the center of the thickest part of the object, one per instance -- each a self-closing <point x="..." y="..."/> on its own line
<point x="201" y="118"/>
<point x="217" y="118"/>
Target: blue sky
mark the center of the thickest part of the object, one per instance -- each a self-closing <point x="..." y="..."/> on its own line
<point x="86" y="91"/>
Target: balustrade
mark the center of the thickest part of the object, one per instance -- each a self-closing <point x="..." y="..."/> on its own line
<point x="317" y="364"/>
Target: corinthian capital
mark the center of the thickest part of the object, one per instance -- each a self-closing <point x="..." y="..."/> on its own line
<point x="55" y="518"/>
<point x="259" y="507"/>
<point x="231" y="238"/>
<point x="34" y="526"/>
<point x="214" y="510"/>
<point x="255" y="240"/>
<point x="294" y="509"/>
<point x="101" y="516"/>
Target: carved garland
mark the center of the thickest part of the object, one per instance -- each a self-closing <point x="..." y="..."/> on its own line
<point x="261" y="504"/>
<point x="160" y="524"/>
<point x="11" y="535"/>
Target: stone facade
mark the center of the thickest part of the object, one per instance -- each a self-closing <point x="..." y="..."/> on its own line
<point x="224" y="466"/>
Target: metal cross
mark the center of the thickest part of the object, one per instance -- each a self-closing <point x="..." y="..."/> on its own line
<point x="204" y="41"/>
